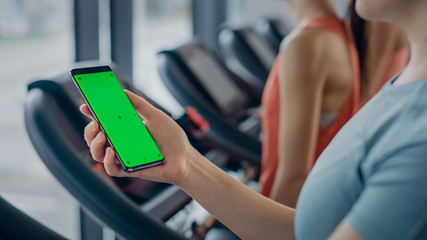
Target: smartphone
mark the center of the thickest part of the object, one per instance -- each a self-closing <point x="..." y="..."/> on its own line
<point x="125" y="132"/>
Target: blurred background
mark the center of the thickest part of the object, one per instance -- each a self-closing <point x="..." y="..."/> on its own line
<point x="43" y="37"/>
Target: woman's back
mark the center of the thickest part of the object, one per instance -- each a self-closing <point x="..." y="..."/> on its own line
<point x="318" y="59"/>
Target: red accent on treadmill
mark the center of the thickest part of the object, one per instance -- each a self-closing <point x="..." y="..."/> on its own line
<point x="197" y="119"/>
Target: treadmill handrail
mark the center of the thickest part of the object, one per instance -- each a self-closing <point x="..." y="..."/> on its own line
<point x="163" y="205"/>
<point x="15" y="224"/>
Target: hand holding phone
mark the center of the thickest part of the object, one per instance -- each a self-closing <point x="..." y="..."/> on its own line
<point x="169" y="136"/>
<point x="124" y="131"/>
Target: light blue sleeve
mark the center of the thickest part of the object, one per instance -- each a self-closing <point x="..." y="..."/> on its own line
<point x="393" y="204"/>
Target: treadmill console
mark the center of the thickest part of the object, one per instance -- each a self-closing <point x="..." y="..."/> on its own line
<point x="222" y="89"/>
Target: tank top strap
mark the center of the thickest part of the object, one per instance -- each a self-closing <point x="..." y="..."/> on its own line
<point x="343" y="29"/>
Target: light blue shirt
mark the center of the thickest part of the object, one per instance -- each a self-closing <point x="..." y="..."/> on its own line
<point x="374" y="172"/>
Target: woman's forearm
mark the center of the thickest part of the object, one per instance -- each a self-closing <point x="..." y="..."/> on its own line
<point x="247" y="213"/>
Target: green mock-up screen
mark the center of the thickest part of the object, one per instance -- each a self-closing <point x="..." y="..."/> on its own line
<point x="119" y="119"/>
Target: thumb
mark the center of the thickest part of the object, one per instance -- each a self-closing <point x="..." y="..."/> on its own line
<point x="85" y="110"/>
<point x="145" y="109"/>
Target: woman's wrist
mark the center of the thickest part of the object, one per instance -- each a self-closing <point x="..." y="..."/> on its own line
<point x="184" y="179"/>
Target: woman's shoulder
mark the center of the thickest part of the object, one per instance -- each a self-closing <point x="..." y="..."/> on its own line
<point x="313" y="46"/>
<point x="308" y="37"/>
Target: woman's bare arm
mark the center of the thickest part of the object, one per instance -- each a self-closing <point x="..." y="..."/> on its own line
<point x="302" y="80"/>
<point x="247" y="213"/>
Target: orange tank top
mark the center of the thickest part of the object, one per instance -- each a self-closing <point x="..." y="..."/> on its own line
<point x="396" y="63"/>
<point x="271" y="108"/>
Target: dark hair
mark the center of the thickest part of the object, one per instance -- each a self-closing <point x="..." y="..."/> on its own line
<point x="358" y="27"/>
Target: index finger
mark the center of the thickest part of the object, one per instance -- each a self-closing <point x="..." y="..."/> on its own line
<point x="144" y="108"/>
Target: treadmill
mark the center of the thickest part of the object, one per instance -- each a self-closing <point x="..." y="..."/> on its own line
<point x="15" y="224"/>
<point x="132" y="208"/>
<point x="273" y="30"/>
<point x="198" y="78"/>
<point x="247" y="53"/>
